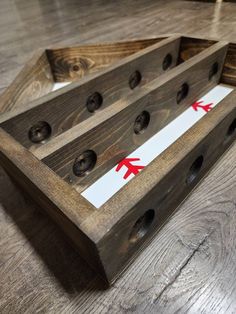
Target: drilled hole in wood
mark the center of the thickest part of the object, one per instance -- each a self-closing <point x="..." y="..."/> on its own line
<point x="84" y="163"/>
<point x="142" y="226"/>
<point x="232" y="128"/>
<point x="40" y="132"/>
<point x="182" y="93"/>
<point x="75" y="68"/>
<point x="94" y="102"/>
<point x="134" y="79"/>
<point x="213" y="71"/>
<point x="194" y="169"/>
<point x="141" y="122"/>
<point x="167" y="62"/>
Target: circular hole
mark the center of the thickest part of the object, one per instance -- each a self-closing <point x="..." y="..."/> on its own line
<point x="231" y="128"/>
<point x="84" y="163"/>
<point x="167" y="62"/>
<point x="75" y="68"/>
<point x="40" y="132"/>
<point x="141" y="122"/>
<point x="213" y="71"/>
<point x="134" y="79"/>
<point x="94" y="102"/>
<point x="142" y="226"/>
<point x="194" y="169"/>
<point x="182" y="93"/>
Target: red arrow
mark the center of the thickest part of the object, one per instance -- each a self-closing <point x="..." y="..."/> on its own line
<point x="131" y="168"/>
<point x="197" y="105"/>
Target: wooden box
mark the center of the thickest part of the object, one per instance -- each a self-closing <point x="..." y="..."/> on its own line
<point x="55" y="145"/>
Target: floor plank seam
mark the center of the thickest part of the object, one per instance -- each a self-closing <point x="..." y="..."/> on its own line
<point x="185" y="263"/>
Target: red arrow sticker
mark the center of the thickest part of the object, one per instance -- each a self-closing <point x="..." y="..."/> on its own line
<point x="111" y="182"/>
<point x="206" y="107"/>
<point x="131" y="169"/>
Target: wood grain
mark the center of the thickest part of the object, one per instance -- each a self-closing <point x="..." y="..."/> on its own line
<point x="95" y="232"/>
<point x="111" y="135"/>
<point x="34" y="80"/>
<point x="67" y="207"/>
<point x="39" y="270"/>
<point x="162" y="192"/>
<point x="69" y="64"/>
<point x="67" y="107"/>
<point x="229" y="71"/>
<point x="190" y="46"/>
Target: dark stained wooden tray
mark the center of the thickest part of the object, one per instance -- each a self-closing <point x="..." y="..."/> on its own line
<point x="54" y="145"/>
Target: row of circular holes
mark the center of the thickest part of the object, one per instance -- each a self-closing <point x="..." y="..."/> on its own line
<point x="87" y="160"/>
<point x="42" y="130"/>
<point x="143" y="223"/>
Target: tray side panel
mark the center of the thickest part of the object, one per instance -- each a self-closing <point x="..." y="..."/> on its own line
<point x="111" y="135"/>
<point x="62" y="203"/>
<point x="72" y="63"/>
<point x="79" y="101"/>
<point x="132" y="216"/>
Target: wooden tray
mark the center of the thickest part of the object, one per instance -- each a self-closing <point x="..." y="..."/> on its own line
<point x="54" y="145"/>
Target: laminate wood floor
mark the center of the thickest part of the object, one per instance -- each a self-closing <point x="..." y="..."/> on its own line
<point x="190" y="266"/>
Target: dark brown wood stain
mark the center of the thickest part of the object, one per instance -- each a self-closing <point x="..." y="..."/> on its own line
<point x="189" y="265"/>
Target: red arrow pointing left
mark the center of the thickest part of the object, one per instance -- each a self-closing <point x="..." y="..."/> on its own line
<point x="131" y="169"/>
<point x="206" y="107"/>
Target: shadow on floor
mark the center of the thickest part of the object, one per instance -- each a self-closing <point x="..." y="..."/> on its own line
<point x="48" y="240"/>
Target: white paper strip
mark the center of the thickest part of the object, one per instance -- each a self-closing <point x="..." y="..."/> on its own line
<point x="60" y="85"/>
<point x="110" y="183"/>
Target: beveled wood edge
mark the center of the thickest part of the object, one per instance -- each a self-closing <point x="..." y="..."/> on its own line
<point x="66" y="89"/>
<point x="116" y="207"/>
<point x="80" y="129"/>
